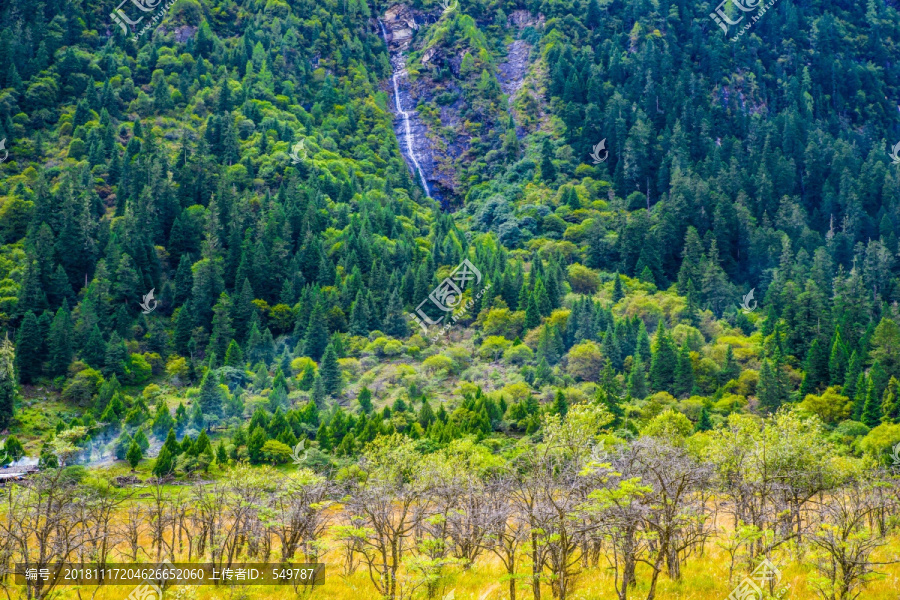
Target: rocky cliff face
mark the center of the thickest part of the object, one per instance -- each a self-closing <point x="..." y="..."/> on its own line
<point x="398" y="26"/>
<point x="456" y="99"/>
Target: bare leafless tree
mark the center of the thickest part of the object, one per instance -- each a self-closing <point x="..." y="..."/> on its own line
<point x="45" y="524"/>
<point x="846" y="540"/>
<point x="676" y="514"/>
<point x="389" y="506"/>
<point x="506" y="530"/>
<point x="298" y="515"/>
<point x="130" y="530"/>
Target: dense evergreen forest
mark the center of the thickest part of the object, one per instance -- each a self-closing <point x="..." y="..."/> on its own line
<point x="215" y="251"/>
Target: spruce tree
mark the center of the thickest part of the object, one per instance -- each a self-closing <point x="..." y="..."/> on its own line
<point x="221" y="454"/>
<point x="116" y="356"/>
<point x="316" y="334"/>
<point x="532" y="313"/>
<point x="879" y="378"/>
<point x="395" y="322"/>
<point x="255" y="443"/>
<point x="184" y="324"/>
<point x="242" y="312"/>
<point x="890" y="402"/>
<point x="210" y="396"/>
<point x="543" y="372"/>
<point x="307" y="377"/>
<point x="560" y="405"/>
<point x="134" y="455"/>
<point x="684" y="374"/>
<point x="141" y="439"/>
<point x="637" y="379"/>
<point x="815" y="368"/>
<point x="184" y="281"/>
<point x="692" y="256"/>
<point x="664" y="361"/>
<point x="838" y="361"/>
<point x="331" y="372"/>
<point x="203" y="444"/>
<point x="703" y="423"/>
<point x="730" y="370"/>
<point x="548" y="169"/>
<point x="323" y="437"/>
<point x="28" y="349"/>
<point x="172" y="442"/>
<point x="609" y="394"/>
<point x="365" y="400"/>
<point x="549" y="347"/>
<point x="94" y="352"/>
<point x="280" y="381"/>
<point x="162" y="421"/>
<point x="318" y="391"/>
<point x="618" y="293"/>
<point x="765" y="388"/>
<point x="542" y="299"/>
<point x="871" y="414"/>
<point x="691" y="311"/>
<point x="234" y="357"/>
<point x="859" y="398"/>
<point x="643" y="346"/>
<point x="426" y="415"/>
<point x="854" y="368"/>
<point x="196" y="417"/>
<point x="8" y="390"/>
<point x="165" y="463"/>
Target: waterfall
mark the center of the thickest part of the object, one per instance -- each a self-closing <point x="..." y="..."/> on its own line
<point x="410" y="149"/>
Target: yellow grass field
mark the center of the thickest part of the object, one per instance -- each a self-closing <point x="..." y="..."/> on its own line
<point x="704" y="578"/>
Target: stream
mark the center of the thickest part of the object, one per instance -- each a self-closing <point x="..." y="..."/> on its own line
<point x="397" y="68"/>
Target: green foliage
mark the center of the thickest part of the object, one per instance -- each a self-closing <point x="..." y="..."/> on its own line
<point x="134" y="455"/>
<point x="165" y="463"/>
<point x="210" y="396"/>
<point x="12" y="449"/>
<point x="330" y="372"/>
<point x="28" y="349"/>
<point x="8" y="390"/>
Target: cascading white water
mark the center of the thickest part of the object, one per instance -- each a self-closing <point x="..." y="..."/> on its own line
<point x="410" y="150"/>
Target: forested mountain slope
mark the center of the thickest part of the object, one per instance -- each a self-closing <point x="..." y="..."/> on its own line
<point x="237" y="160"/>
<point x="656" y="255"/>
